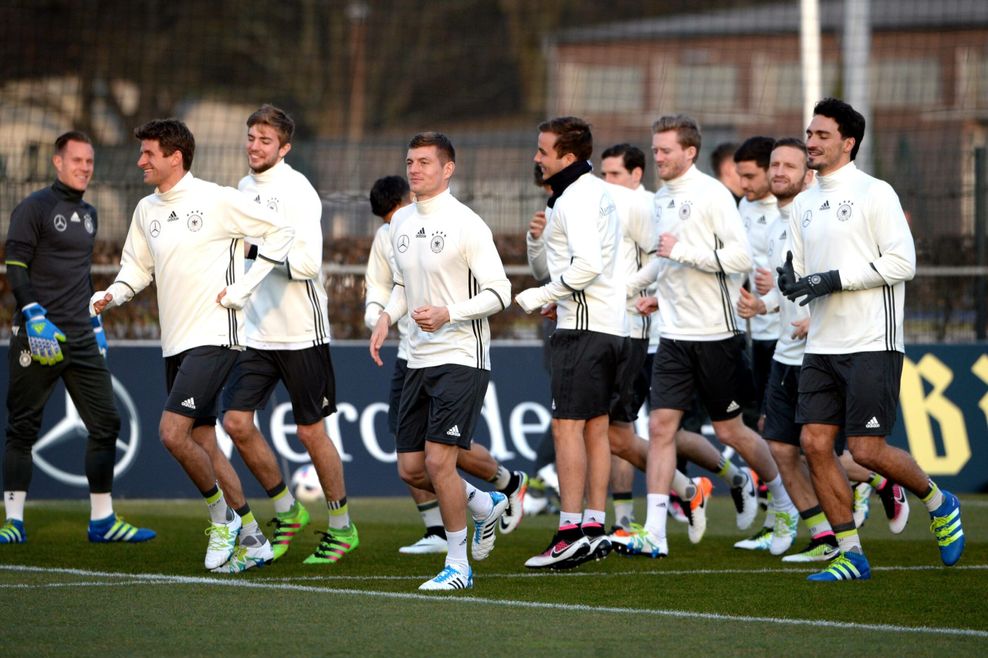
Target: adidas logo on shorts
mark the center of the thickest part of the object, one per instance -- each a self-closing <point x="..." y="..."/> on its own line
<point x="189" y="404"/>
<point x="873" y="424"/>
<point x="734" y="406"/>
<point x="453" y="431"/>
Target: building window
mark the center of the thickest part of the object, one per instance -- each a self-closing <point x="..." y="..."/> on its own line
<point x="585" y="88"/>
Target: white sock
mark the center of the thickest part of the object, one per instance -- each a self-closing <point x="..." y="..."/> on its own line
<point x="13" y="502"/>
<point x="658" y="512"/>
<point x="284" y="502"/>
<point x="780" y="497"/>
<point x="594" y="516"/>
<point x="570" y="518"/>
<point x="624" y="511"/>
<point x="430" y="514"/>
<point x="100" y="506"/>
<point x="219" y="512"/>
<point x="502" y="478"/>
<point x="456" y="549"/>
<point x="681" y="485"/>
<point x="479" y="502"/>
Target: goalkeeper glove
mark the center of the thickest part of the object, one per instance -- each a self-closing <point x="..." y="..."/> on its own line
<point x="43" y="337"/>
<point x="100" y="336"/>
<point x="815" y="285"/>
<point x="787" y="276"/>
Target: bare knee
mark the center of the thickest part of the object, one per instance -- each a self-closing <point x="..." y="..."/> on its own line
<point x="817" y="443"/>
<point x="238" y="425"/>
<point x="173" y="431"/>
<point x="866" y="449"/>
<point x="310" y="434"/>
<point x="412" y="471"/>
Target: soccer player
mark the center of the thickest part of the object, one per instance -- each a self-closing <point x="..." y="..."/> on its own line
<point x="701" y="246"/>
<point x="852" y="252"/>
<point x="578" y="251"/>
<point x="287" y="336"/>
<point x="188" y="237"/>
<point x="387" y="196"/>
<point x="622" y="166"/>
<point x="448" y="279"/>
<point x="49" y="253"/>
<point x="759" y="210"/>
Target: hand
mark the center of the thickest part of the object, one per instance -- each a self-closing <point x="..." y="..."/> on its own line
<point x="232" y="297"/>
<point x="99" y="301"/>
<point x="549" y="311"/>
<point x="749" y="305"/>
<point x="101" y="343"/>
<point x="763" y="281"/>
<point x="815" y="285"/>
<point x="378" y="336"/>
<point x="647" y="305"/>
<point x="43" y="337"/>
<point x="666" y="242"/>
<point x="531" y="299"/>
<point x="787" y="276"/>
<point x="537" y="225"/>
<point x="430" y="318"/>
<point x="801" y="328"/>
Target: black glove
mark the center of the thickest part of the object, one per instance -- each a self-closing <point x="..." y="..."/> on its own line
<point x="787" y="277"/>
<point x="815" y="285"/>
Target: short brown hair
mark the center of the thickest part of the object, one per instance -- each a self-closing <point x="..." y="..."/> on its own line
<point x="71" y="136"/>
<point x="687" y="129"/>
<point x="442" y="143"/>
<point x="277" y="118"/>
<point x="172" y="135"/>
<point x="572" y="136"/>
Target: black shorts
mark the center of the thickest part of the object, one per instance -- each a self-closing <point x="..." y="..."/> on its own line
<point x="859" y="391"/>
<point x="440" y="404"/>
<point x="762" y="363"/>
<point x="307" y="375"/>
<point x="584" y="372"/>
<point x="394" y="396"/>
<point x="781" y="399"/>
<point x="632" y="386"/>
<point x="194" y="379"/>
<point x="719" y="371"/>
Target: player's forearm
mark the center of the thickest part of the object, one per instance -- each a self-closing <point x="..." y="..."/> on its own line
<point x="536" y="257"/>
<point x="20" y="283"/>
<point x="494" y="296"/>
<point x="397" y="306"/>
<point x="730" y="259"/>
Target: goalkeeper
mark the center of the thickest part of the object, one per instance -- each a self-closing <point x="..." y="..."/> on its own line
<point x="49" y="252"/>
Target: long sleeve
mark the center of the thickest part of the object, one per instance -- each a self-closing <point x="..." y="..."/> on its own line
<point x="493" y="288"/>
<point x="379" y="279"/>
<point x="645" y="277"/>
<point x="136" y="261"/>
<point x="732" y="255"/>
<point x="397" y="306"/>
<point x="250" y="220"/>
<point x="304" y="260"/>
<point x="536" y="257"/>
<point x="586" y="260"/>
<point x="890" y="230"/>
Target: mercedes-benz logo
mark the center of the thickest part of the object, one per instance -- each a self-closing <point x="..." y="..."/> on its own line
<point x="155" y="228"/>
<point x="72" y="428"/>
<point x="402" y="243"/>
<point x="60" y="223"/>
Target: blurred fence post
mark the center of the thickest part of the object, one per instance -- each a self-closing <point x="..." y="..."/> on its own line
<point x="980" y="246"/>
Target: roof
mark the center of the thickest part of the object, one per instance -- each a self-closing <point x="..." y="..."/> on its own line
<point x="784" y="18"/>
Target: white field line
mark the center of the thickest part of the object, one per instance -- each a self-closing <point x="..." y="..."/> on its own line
<point x="151" y="578"/>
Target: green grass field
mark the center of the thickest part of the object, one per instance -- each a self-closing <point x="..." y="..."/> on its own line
<point x="61" y="595"/>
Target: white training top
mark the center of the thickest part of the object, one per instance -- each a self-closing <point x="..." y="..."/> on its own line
<point x="578" y="251"/>
<point x="853" y="223"/>
<point x="638" y="240"/>
<point x="698" y="284"/>
<point x="758" y="216"/>
<point x="289" y="309"/>
<point x="378" y="282"/>
<point x="190" y="241"/>
<point x="788" y="350"/>
<point x="444" y="255"/>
